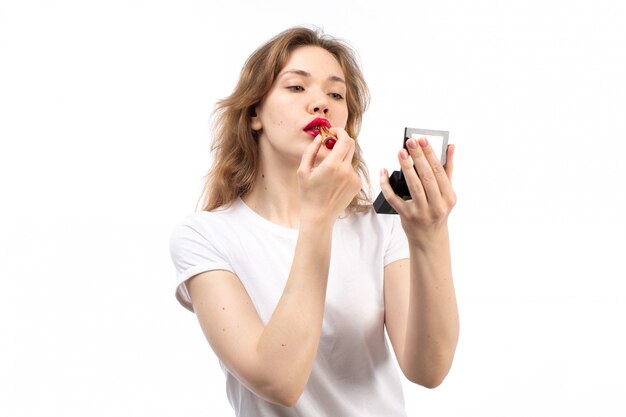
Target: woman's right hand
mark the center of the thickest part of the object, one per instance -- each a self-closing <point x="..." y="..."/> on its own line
<point x="327" y="187"/>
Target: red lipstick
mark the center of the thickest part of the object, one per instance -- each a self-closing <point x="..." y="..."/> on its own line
<point x="329" y="139"/>
<point x="313" y="128"/>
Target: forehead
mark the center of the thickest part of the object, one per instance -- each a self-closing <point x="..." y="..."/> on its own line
<point x="315" y="60"/>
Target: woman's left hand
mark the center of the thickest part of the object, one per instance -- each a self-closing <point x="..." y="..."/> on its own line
<point x="425" y="215"/>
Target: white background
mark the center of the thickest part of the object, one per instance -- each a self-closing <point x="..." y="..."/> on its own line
<point x="104" y="109"/>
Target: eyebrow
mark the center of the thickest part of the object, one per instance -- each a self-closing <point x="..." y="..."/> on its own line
<point x="308" y="74"/>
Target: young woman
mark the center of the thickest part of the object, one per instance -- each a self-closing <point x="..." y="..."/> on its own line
<point x="292" y="275"/>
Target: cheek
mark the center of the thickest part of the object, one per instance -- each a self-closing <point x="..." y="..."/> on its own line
<point x="278" y="113"/>
<point x="273" y="119"/>
<point x="342" y="115"/>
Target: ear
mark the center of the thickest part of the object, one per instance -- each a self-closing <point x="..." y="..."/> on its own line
<point x="255" y="123"/>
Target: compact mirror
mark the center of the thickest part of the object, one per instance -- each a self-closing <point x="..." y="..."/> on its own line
<point x="438" y="140"/>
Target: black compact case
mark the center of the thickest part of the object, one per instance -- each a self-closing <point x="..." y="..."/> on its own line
<point x="438" y="139"/>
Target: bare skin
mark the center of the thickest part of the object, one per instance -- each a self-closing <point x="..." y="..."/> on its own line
<point x="292" y="189"/>
<point x="421" y="312"/>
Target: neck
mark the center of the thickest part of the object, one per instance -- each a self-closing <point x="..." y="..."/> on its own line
<point x="275" y="194"/>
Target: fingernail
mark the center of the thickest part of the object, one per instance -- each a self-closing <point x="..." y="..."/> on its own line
<point x="404" y="154"/>
<point x="383" y="172"/>
<point x="424" y="142"/>
<point x="411" y="143"/>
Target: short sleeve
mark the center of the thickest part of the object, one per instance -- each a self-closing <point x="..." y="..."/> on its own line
<point x="192" y="253"/>
<point x="397" y="246"/>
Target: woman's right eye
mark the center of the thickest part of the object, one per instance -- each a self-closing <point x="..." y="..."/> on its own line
<point x="295" y="88"/>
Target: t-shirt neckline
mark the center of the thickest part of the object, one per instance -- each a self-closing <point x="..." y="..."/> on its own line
<point x="263" y="222"/>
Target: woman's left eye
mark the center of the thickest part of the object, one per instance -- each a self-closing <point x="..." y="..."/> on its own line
<point x="336" y="96"/>
<point x="295" y="88"/>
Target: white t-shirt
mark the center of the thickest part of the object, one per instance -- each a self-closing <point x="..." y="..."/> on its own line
<point x="354" y="373"/>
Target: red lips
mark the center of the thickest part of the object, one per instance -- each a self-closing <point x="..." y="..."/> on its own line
<point x="313" y="128"/>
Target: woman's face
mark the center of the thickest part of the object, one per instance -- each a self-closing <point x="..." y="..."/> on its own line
<point x="310" y="90"/>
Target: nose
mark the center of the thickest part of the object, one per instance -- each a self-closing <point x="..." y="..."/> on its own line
<point x="323" y="110"/>
<point x="319" y="104"/>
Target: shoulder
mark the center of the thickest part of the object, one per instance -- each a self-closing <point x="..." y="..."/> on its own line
<point x="202" y="231"/>
<point x="205" y="223"/>
<point x="200" y="242"/>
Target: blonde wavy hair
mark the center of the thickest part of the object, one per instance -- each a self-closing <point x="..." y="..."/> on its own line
<point x="235" y="144"/>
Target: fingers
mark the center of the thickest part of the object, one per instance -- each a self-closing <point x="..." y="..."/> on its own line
<point x="392" y="198"/>
<point x="438" y="172"/>
<point x="308" y="157"/>
<point x="413" y="180"/>
<point x="423" y="159"/>
<point x="344" y="147"/>
<point x="432" y="196"/>
<point x="450" y="161"/>
<point x="343" y="136"/>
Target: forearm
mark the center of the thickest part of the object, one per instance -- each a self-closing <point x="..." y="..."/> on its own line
<point x="288" y="345"/>
<point x="433" y="322"/>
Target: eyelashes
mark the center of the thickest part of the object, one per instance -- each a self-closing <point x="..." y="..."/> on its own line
<point x="299" y="89"/>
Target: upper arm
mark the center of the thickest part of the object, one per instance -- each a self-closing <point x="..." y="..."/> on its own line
<point x="230" y="323"/>
<point x="396" y="292"/>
